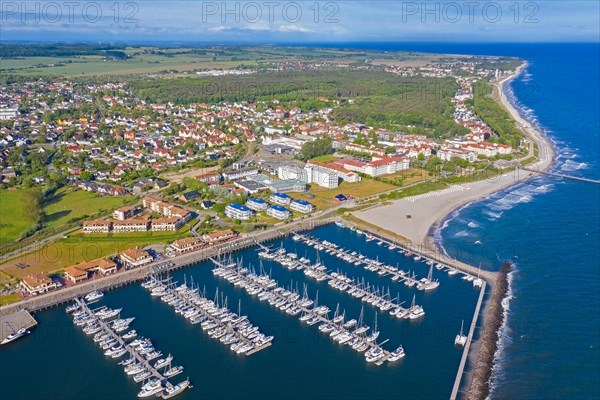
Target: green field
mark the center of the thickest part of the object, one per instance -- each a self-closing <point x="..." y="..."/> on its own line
<point x="12" y="218"/>
<point x="8" y="298"/>
<point x="323" y="198"/>
<point x="65" y="206"/>
<point x="68" y="204"/>
<point x="96" y="65"/>
<point x="78" y="247"/>
<point x="325" y="159"/>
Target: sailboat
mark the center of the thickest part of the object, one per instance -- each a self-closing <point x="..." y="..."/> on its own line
<point x="415" y="311"/>
<point x="460" y="339"/>
<point x="373" y="336"/>
<point x="428" y="283"/>
<point x="478" y="282"/>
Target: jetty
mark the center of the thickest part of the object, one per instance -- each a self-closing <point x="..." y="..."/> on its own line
<point x="233" y="330"/>
<point x="465" y="355"/>
<point x="290" y="302"/>
<point x="92" y="318"/>
<point x="372" y="265"/>
<point x="377" y="297"/>
<point x="15" y="321"/>
<point x="434" y="255"/>
<point x="563" y="176"/>
<point x="479" y="387"/>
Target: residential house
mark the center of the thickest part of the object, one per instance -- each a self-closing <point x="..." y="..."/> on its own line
<point x="257" y="204"/>
<point x="134" y="258"/>
<point x="37" y="284"/>
<point x="97" y="226"/>
<point x="237" y="211"/>
<point x="219" y="236"/>
<point x="186" y="245"/>
<point x="278" y="212"/>
<point x="302" y="206"/>
<point x="124" y="213"/>
<point x="280" y="198"/>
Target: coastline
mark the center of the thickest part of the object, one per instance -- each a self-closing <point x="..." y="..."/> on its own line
<point x="428" y="212"/>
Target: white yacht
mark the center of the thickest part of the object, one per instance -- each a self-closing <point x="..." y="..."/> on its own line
<point x="349" y="324"/>
<point x="172" y="391"/>
<point x="151" y="388"/>
<point x="15" y="335"/>
<point x="132" y="334"/>
<point x="396" y="354"/>
<point x="461" y="339"/>
<point x="163" y="362"/>
<point x="93" y="297"/>
<point x="173" y="371"/>
<point x="374" y="354"/>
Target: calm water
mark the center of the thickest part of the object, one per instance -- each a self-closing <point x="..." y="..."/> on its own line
<point x="550" y="347"/>
<point x="302" y="363"/>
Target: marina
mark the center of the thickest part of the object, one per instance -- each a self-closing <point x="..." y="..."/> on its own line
<point x="308" y="342"/>
<point x="140" y="365"/>
<point x="290" y="301"/>
<point x="369" y="294"/>
<point x="233" y="330"/>
<point x="357" y="259"/>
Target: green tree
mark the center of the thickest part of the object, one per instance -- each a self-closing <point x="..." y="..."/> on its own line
<point x="86" y="175"/>
<point x="316" y="148"/>
<point x="33" y="205"/>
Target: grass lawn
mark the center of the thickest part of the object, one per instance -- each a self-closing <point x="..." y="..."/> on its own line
<point x="79" y="247"/>
<point x="12" y="219"/>
<point x="323" y="197"/>
<point x="8" y="298"/>
<point x="67" y="204"/>
<point x="364" y="188"/>
<point x="95" y="64"/>
<point x="420" y="188"/>
<point x="325" y="158"/>
<point x="407" y="177"/>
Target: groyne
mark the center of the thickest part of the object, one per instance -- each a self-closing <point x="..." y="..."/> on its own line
<point x="488" y="342"/>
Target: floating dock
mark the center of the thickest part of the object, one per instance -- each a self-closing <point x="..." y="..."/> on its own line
<point x="291" y="301"/>
<point x="230" y="328"/>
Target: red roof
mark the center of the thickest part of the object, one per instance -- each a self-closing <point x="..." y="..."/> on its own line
<point x="351" y="162"/>
<point x="383" y="161"/>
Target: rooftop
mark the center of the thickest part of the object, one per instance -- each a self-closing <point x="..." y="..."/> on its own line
<point x="238" y="207"/>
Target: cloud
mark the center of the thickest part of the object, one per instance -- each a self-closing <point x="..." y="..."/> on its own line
<point x="320" y="21"/>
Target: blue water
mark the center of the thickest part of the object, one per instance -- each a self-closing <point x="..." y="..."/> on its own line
<point x="550" y="346"/>
<point x="550" y="228"/>
<point x="302" y="363"/>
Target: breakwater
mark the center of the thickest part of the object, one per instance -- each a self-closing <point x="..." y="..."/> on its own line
<point x="480" y="383"/>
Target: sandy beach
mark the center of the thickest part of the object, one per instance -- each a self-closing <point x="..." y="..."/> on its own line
<point x="416" y="218"/>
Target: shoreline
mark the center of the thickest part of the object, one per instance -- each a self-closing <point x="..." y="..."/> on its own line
<point x="428" y="212"/>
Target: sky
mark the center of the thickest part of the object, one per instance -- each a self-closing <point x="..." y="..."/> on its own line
<point x="308" y="21"/>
